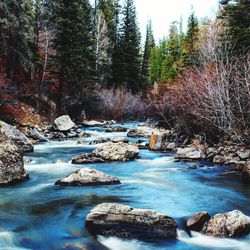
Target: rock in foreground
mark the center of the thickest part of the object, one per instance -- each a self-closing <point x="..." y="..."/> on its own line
<point x="86" y="177"/>
<point x="117" y="151"/>
<point x="197" y="221"/>
<point x="229" y="225"/>
<point x="111" y="219"/>
<point x="63" y="123"/>
<point x="11" y="164"/>
<point x="137" y="133"/>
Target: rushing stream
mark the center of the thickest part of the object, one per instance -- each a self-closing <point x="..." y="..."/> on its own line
<point x="36" y="214"/>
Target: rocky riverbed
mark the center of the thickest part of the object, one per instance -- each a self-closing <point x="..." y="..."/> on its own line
<point x="152" y="187"/>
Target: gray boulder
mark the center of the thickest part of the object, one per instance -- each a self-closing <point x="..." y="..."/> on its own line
<point x="117" y="220"/>
<point x="117" y="151"/>
<point x="36" y="135"/>
<point x="63" y="123"/>
<point x="18" y="138"/>
<point x="120" y="139"/>
<point x="87" y="177"/>
<point x="197" y="221"/>
<point x="99" y="141"/>
<point x="229" y="225"/>
<point x="192" y="154"/>
<point x="11" y="164"/>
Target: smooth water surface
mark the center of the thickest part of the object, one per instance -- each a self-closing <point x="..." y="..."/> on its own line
<point x="36" y="214"/>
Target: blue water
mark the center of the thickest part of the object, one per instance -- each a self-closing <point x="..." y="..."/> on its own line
<point x="36" y="214"/>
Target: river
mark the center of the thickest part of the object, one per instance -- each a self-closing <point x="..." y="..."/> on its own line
<point x="36" y="214"/>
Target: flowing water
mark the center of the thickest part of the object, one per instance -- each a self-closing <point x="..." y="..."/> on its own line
<point x="36" y="214"/>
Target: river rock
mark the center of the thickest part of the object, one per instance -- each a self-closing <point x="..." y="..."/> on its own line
<point x="36" y="135"/>
<point x="117" y="151"/>
<point x="219" y="159"/>
<point x="55" y="135"/>
<point x="197" y="221"/>
<point x="92" y="123"/>
<point x="11" y="164"/>
<point x="136" y="133"/>
<point x="120" y="139"/>
<point x="192" y="154"/>
<point x="246" y="172"/>
<point x="63" y="123"/>
<point x="117" y="220"/>
<point x="229" y="225"/>
<point x="86" y="177"/>
<point x="87" y="158"/>
<point x="15" y="136"/>
<point x="244" y="154"/>
<point x="99" y="141"/>
<point x="116" y="129"/>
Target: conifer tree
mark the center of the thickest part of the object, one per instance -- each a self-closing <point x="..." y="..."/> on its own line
<point x="149" y="45"/>
<point x="237" y="20"/>
<point x="74" y="45"/>
<point x="129" y="49"/>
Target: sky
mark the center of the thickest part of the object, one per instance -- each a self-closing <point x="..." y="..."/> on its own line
<point x="163" y="12"/>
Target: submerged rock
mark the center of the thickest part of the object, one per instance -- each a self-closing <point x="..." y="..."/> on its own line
<point x="111" y="219"/>
<point x="116" y="129"/>
<point x="117" y="151"/>
<point x="18" y="138"/>
<point x="229" y="225"/>
<point x="63" y="123"/>
<point x="136" y="133"/>
<point x="197" y="221"/>
<point x="87" y="158"/>
<point x="190" y="154"/>
<point x="11" y="164"/>
<point x="86" y="177"/>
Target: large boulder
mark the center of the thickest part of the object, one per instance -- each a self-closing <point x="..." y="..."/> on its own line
<point x="117" y="151"/>
<point x="137" y="133"/>
<point x="11" y="164"/>
<point x="229" y="225"/>
<point x="111" y="219"/>
<point x="87" y="177"/>
<point x="87" y="159"/>
<point x="197" y="221"/>
<point x="12" y="134"/>
<point x="246" y="172"/>
<point x="191" y="154"/>
<point x="63" y="123"/>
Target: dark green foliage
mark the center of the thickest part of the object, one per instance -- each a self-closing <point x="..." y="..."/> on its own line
<point x="73" y="43"/>
<point x="237" y="20"/>
<point x="126" y="66"/>
<point x="149" y="45"/>
<point x="17" y="36"/>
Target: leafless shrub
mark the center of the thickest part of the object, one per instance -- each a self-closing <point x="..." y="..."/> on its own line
<point x="121" y="104"/>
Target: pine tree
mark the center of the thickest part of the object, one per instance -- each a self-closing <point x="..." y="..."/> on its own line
<point x="129" y="49"/>
<point x="17" y="36"/>
<point x="191" y="40"/>
<point x="149" y="45"/>
<point x="237" y="20"/>
<point x="74" y="45"/>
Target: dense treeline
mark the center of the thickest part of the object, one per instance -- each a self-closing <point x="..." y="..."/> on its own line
<point x="67" y="50"/>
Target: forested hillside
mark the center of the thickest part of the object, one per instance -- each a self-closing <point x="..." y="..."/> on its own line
<point x="60" y="57"/>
